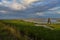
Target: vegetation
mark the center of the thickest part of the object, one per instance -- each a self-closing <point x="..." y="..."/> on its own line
<point x="22" y="30"/>
<point x="56" y="26"/>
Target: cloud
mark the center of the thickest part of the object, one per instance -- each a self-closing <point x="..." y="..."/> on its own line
<point x="57" y="12"/>
<point x="40" y="14"/>
<point x="29" y="8"/>
<point x="24" y="4"/>
<point x="17" y="6"/>
<point x="3" y="11"/>
<point x="55" y="8"/>
<point x="27" y="2"/>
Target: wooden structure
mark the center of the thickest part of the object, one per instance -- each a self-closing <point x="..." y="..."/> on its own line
<point x="49" y="21"/>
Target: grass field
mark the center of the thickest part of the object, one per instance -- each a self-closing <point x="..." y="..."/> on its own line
<point x="56" y="26"/>
<point x="22" y="30"/>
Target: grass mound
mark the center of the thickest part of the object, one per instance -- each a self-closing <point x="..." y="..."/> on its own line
<point x="8" y="34"/>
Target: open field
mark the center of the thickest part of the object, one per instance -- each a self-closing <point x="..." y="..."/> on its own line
<point x="22" y="30"/>
<point x="55" y="26"/>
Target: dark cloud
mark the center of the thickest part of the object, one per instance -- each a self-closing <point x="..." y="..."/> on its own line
<point x="31" y="11"/>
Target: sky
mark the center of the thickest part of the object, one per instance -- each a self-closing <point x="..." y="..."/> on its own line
<point x="15" y="9"/>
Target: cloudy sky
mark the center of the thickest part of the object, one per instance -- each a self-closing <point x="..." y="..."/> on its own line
<point x="10" y="9"/>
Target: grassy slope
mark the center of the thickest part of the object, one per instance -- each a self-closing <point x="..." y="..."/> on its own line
<point x="30" y="30"/>
<point x="55" y="26"/>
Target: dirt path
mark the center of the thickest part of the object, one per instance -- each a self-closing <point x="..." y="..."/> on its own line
<point x="45" y="26"/>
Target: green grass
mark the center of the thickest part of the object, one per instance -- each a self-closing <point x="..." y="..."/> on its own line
<point x="30" y="30"/>
<point x="55" y="26"/>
